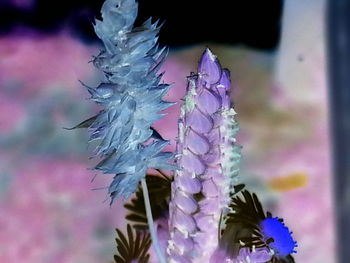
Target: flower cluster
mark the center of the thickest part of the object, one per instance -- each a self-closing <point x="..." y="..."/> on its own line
<point x="253" y="236"/>
<point x="208" y="161"/>
<point x="208" y="221"/>
<point x="131" y="97"/>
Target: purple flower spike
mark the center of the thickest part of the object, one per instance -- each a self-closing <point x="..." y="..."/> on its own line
<point x="208" y="160"/>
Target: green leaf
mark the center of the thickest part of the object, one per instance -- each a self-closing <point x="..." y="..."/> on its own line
<point x="134" y="246"/>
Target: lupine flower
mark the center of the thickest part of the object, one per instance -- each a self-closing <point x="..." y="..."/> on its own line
<point x="208" y="162"/>
<point x="131" y="97"/>
<point x="249" y="233"/>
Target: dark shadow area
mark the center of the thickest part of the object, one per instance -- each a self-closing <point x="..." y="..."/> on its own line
<point x="252" y="23"/>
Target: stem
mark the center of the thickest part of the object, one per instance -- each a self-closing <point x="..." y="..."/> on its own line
<point x="152" y="231"/>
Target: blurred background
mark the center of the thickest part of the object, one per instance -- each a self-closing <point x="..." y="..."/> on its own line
<point x="275" y="51"/>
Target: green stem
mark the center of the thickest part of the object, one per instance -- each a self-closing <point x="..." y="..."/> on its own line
<point x="152" y="231"/>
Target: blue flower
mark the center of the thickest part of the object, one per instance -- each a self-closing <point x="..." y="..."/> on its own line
<point x="247" y="226"/>
<point x="274" y="230"/>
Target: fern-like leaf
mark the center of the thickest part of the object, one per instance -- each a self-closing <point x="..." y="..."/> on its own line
<point x="242" y="224"/>
<point x="133" y="247"/>
<point x="159" y="188"/>
<point x="248" y="211"/>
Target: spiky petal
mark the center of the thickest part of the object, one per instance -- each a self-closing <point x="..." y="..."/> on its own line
<point x="208" y="159"/>
<point x="131" y="97"/>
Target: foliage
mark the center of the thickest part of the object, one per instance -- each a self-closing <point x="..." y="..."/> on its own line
<point x="132" y="247"/>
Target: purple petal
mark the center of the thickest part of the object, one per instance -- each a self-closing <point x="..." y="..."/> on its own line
<point x="184" y="222"/>
<point x="185" y="202"/>
<point x="180" y="259"/>
<point x="202" y="241"/>
<point x="214" y="136"/>
<point x="223" y="86"/>
<point x="182" y="243"/>
<point x="207" y="101"/>
<point x="260" y="255"/>
<point x="225" y="82"/>
<point x="209" y="206"/>
<point x="209" y="188"/>
<point x="197" y="143"/>
<point x="204" y="222"/>
<point x="214" y="174"/>
<point x="209" y="67"/>
<point x="188" y="184"/>
<point x="191" y="163"/>
<point x="218" y="256"/>
<point x="213" y="156"/>
<point x="199" y="122"/>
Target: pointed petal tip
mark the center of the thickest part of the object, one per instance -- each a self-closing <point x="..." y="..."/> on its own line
<point x="209" y="67"/>
<point x="208" y="53"/>
<point x="225" y="80"/>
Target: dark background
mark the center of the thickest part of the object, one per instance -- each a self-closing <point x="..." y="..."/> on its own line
<point x="253" y="23"/>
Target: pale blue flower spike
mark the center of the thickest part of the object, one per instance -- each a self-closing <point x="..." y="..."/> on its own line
<point x="131" y="96"/>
